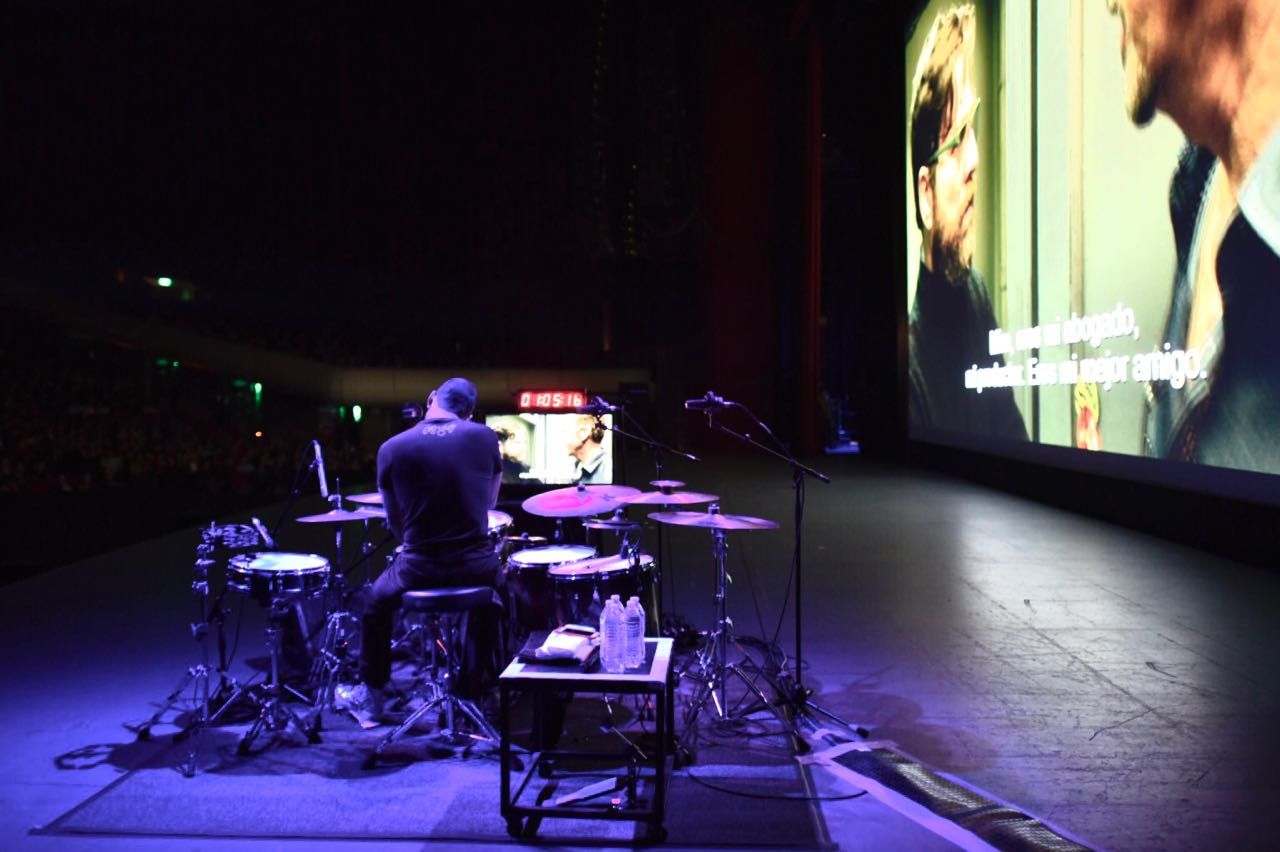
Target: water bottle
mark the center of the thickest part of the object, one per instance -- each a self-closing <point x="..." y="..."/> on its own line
<point x="611" y="636"/>
<point x="634" y="656"/>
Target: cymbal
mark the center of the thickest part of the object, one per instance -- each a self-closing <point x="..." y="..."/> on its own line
<point x="671" y="498"/>
<point x="667" y="484"/>
<point x="714" y="520"/>
<point x="579" y="501"/>
<point x="338" y="516"/>
<point x="615" y="522"/>
<point x="373" y="498"/>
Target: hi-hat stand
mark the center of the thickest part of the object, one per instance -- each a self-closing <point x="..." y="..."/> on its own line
<point x="334" y="661"/>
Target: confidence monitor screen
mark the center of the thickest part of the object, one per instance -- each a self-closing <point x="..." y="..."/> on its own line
<point x="1084" y="285"/>
<point x="554" y="449"/>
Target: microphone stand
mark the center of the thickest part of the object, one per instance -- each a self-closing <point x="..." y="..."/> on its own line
<point x="657" y="448"/>
<point x="296" y="490"/>
<point x="795" y="696"/>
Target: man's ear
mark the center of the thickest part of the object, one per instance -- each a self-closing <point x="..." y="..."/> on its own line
<point x="924" y="197"/>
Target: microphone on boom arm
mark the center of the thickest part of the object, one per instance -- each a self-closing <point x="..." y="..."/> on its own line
<point x="596" y="407"/>
<point x="324" y="480"/>
<point x="710" y="402"/>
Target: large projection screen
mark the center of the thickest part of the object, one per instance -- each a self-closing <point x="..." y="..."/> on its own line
<point x="1057" y="306"/>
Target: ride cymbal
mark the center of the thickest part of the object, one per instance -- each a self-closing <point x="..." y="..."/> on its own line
<point x="714" y="520"/>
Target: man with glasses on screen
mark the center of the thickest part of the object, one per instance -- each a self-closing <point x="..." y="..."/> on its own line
<point x="1214" y="68"/>
<point x="591" y="462"/>
<point x="951" y="316"/>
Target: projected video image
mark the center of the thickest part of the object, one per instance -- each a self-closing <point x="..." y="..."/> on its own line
<point x="1089" y="264"/>
<point x="554" y="449"/>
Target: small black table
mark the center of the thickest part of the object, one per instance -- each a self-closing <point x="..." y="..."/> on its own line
<point x="655" y="679"/>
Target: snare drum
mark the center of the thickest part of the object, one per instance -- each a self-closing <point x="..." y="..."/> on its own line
<point x="269" y="577"/>
<point x="532" y="600"/>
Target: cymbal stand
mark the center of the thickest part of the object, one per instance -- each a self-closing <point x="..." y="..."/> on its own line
<point x="712" y="665"/>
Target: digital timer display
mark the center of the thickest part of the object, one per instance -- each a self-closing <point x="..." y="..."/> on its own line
<point x="549" y="400"/>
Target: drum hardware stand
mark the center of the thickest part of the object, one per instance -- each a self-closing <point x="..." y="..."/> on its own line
<point x="200" y="674"/>
<point x="274" y="717"/>
<point x="333" y="658"/>
<point x="795" y="705"/>
<point x="712" y="663"/>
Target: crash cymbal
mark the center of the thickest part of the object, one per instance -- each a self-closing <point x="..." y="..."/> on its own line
<point x="670" y="498"/>
<point x="373" y="498"/>
<point x="714" y="520"/>
<point x="338" y="516"/>
<point x="580" y="501"/>
<point x="615" y="522"/>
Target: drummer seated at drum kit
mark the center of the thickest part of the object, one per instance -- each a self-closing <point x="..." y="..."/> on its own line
<point x="438" y="479"/>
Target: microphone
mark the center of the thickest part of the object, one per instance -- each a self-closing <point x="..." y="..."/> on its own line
<point x="262" y="531"/>
<point x="710" y="402"/>
<point x="597" y="407"/>
<point x="324" y="480"/>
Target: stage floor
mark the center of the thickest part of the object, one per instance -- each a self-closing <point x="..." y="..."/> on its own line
<point x="1122" y="688"/>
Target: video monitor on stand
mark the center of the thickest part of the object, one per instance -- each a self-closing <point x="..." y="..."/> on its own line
<point x="546" y="442"/>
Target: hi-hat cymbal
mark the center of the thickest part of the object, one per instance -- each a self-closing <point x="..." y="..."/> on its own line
<point x="579" y="501"/>
<point x="671" y="498"/>
<point x="373" y="498"/>
<point x="338" y="516"/>
<point x="667" y="484"/>
<point x="714" y="520"/>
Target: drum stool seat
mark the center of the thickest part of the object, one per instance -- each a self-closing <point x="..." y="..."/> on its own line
<point x="439" y="652"/>
<point x="448" y="600"/>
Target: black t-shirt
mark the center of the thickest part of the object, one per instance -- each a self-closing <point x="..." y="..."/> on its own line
<point x="436" y="479"/>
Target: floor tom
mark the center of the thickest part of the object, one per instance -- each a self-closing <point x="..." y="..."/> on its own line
<point x="532" y="597"/>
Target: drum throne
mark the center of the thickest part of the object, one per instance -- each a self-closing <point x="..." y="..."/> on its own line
<point x="436" y="637"/>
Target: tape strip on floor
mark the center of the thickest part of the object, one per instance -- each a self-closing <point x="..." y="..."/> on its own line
<point x="969" y="819"/>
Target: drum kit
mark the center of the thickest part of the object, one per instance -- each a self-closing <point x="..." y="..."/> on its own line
<point x="548" y="584"/>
